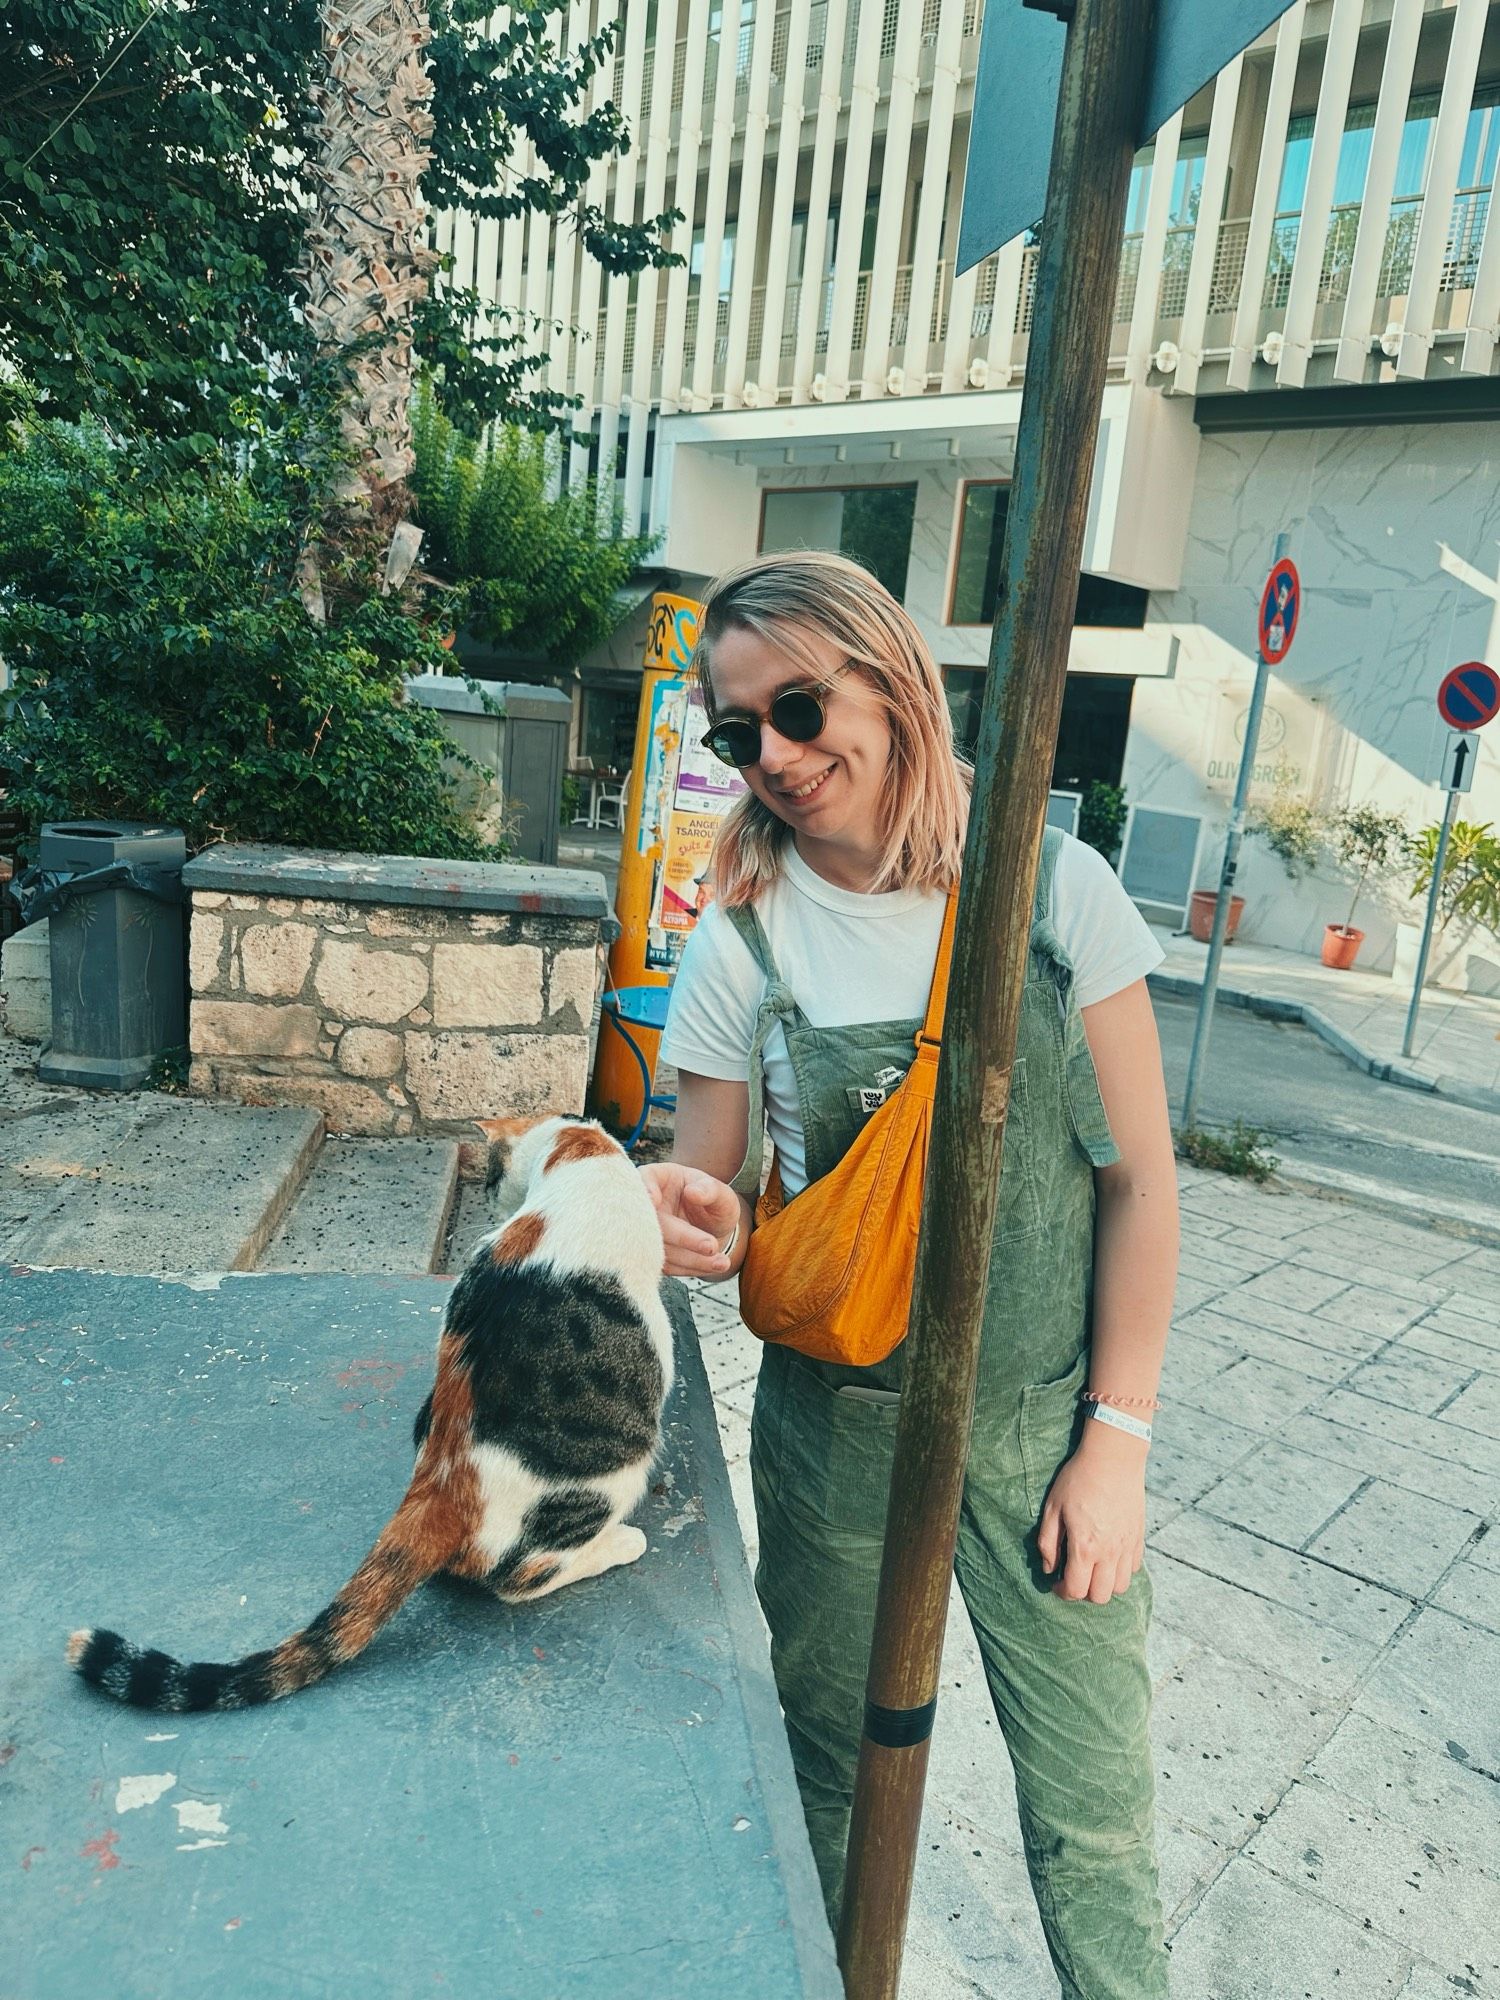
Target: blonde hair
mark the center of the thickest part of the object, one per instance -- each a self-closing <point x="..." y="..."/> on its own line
<point x="786" y="599"/>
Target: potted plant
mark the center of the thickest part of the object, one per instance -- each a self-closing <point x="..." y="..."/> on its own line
<point x="1292" y="829"/>
<point x="1470" y="891"/>
<point x="1364" y="837"/>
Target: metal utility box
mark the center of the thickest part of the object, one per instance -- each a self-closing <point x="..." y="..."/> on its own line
<point x="536" y="755"/>
<point x="525" y="750"/>
<point x="119" y="980"/>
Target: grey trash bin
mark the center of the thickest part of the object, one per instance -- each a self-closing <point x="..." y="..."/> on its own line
<point x="119" y="998"/>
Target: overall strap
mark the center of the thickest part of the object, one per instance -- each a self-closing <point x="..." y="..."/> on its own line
<point x="1044" y="938"/>
<point x="777" y="1004"/>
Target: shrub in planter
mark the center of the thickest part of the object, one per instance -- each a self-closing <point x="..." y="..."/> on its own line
<point x="165" y="668"/>
<point x="1101" y="818"/>
<point x="1471" y="873"/>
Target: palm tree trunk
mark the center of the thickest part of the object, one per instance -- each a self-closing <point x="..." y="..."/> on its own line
<point x="366" y="260"/>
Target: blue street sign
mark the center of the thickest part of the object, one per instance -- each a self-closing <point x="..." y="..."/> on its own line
<point x="1469" y="696"/>
<point x="1015" y="100"/>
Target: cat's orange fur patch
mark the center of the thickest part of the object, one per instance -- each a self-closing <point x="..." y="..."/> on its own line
<point x="519" y="1239"/>
<point x="578" y="1142"/>
<point x="530" y="1573"/>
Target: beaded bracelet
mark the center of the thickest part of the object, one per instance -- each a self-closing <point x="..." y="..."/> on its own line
<point x="1125" y="1402"/>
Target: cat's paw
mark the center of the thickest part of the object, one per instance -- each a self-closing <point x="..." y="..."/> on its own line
<point x="627" y="1544"/>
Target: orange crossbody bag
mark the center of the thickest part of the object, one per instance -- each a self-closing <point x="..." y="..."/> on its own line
<point x="830" y="1273"/>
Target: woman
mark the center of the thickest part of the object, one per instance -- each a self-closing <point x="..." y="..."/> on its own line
<point x="812" y="969"/>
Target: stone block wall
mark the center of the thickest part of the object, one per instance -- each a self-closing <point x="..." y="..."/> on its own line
<point x="396" y="996"/>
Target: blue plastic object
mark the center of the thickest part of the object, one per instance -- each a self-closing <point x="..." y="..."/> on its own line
<point x="640" y="1007"/>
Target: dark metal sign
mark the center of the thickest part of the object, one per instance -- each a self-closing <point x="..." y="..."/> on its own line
<point x="1015" y="99"/>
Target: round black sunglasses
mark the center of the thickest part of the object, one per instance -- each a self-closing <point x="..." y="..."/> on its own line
<point x="796" y="713"/>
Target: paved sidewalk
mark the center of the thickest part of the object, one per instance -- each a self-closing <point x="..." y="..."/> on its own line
<point x="1326" y="1646"/>
<point x="1456" y="1050"/>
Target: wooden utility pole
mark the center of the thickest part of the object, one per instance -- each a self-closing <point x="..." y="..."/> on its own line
<point x="1103" y="76"/>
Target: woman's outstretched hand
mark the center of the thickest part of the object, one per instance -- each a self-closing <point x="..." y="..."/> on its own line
<point x="697" y="1214"/>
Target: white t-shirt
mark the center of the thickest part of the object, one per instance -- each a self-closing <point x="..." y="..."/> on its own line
<point x="850" y="958"/>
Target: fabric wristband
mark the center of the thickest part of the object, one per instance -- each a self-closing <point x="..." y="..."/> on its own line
<point x="1120" y="1420"/>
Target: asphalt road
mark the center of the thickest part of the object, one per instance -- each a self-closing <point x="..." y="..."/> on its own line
<point x="1322" y="1112"/>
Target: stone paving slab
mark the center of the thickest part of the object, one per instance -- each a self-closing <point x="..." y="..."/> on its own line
<point x="1326" y="1642"/>
<point x="1422" y="1891"/>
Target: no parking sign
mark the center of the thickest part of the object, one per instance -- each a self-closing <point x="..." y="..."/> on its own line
<point x="1279" y="609"/>
<point x="1469" y="696"/>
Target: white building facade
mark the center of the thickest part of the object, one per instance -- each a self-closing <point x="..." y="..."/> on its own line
<point x="1305" y="338"/>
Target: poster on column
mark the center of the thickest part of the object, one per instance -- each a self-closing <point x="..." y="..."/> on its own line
<point x="688" y="791"/>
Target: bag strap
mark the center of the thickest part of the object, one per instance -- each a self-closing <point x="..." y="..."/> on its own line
<point x="937" y="995"/>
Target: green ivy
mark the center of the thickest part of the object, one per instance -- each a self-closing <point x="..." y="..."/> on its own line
<point x="165" y="668"/>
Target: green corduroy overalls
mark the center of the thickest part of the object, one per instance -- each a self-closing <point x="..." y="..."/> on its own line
<point x="1068" y="1681"/>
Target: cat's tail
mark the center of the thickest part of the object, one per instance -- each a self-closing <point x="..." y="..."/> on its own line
<point x="417" y="1542"/>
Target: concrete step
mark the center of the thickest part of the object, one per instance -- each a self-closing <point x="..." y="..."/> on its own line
<point x="370" y="1206"/>
<point x="146" y="1182"/>
<point x="473" y="1215"/>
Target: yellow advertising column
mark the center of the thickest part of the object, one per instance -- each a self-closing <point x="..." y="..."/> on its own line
<point x="678" y="792"/>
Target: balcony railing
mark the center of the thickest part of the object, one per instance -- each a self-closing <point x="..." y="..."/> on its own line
<point x="740" y="44"/>
<point x="1460" y="261"/>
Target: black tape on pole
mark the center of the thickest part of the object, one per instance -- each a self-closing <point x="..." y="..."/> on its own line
<point x="899" y="1728"/>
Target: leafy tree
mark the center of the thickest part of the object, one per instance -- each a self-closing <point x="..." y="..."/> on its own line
<point x="164" y="667"/>
<point x="159" y="164"/>
<point x="528" y="563"/>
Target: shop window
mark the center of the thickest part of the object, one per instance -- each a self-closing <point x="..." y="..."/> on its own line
<point x="609" y="727"/>
<point x="870" y="524"/>
<point x="976" y="576"/>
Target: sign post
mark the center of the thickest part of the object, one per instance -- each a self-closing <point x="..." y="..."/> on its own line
<point x="1280" y="608"/>
<point x="1468" y="698"/>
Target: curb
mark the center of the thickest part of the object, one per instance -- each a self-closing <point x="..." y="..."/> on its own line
<point x="1471" y="1224"/>
<point x="1270" y="1007"/>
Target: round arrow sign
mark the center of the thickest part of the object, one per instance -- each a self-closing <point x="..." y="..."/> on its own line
<point x="1279" y="608"/>
<point x="1469" y="696"/>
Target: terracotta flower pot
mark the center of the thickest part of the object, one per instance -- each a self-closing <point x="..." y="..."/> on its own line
<point x="1341" y="946"/>
<point x="1201" y="905"/>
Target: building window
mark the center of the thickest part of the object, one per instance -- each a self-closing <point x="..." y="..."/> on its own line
<point x="870" y="524"/>
<point x="983" y="508"/>
<point x="1092" y="730"/>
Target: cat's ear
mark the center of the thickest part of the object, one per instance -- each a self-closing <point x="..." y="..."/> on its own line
<point x="500" y="1137"/>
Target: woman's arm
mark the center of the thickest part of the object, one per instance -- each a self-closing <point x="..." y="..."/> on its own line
<point x="1093" y="1526"/>
<point x="696" y="1207"/>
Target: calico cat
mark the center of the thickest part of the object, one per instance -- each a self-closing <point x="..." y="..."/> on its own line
<point x="554" y="1360"/>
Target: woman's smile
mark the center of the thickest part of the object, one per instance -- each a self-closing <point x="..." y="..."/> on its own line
<point x="808" y="789"/>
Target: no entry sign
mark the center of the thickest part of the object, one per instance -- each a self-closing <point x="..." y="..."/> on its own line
<point x="1279" y="609"/>
<point x="1469" y="696"/>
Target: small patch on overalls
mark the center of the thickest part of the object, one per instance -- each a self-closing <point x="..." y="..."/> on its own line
<point x="867" y="1098"/>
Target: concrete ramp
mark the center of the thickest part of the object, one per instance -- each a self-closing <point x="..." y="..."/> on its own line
<point x="585" y="1799"/>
